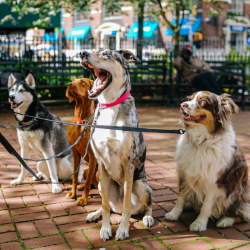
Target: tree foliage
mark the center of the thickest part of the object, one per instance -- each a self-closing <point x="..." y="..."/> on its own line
<point x="154" y="9"/>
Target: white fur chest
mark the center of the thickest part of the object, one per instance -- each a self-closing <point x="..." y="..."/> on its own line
<point x="31" y="139"/>
<point x="111" y="146"/>
<point x="203" y="159"/>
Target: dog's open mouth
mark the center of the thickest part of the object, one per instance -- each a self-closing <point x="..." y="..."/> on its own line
<point x="189" y="118"/>
<point x="15" y="105"/>
<point x="102" y="79"/>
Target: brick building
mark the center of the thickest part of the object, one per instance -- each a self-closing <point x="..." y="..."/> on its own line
<point x="231" y="24"/>
<point x="104" y="26"/>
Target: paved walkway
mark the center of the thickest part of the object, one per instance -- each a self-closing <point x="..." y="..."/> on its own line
<point x="31" y="217"/>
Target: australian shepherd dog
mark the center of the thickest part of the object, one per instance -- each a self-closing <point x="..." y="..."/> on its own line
<point x="213" y="174"/>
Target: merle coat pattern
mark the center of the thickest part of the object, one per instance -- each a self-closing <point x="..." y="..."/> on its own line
<point x="43" y="138"/>
<point x="120" y="154"/>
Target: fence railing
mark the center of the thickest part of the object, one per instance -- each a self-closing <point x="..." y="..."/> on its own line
<point x="37" y="48"/>
<point x="54" y="66"/>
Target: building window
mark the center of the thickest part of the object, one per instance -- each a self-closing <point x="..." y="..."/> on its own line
<point x="237" y="7"/>
<point x="80" y="15"/>
<point x="109" y="12"/>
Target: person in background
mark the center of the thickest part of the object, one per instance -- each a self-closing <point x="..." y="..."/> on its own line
<point x="196" y="71"/>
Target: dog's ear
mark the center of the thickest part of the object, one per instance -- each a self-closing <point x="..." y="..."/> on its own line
<point x="128" y="55"/>
<point x="227" y="109"/>
<point x="30" y="81"/>
<point x="11" y="80"/>
<point x="69" y="96"/>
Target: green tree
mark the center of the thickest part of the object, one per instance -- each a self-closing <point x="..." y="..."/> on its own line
<point x="156" y="10"/>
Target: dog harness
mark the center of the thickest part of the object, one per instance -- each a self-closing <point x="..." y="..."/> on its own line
<point x="118" y="101"/>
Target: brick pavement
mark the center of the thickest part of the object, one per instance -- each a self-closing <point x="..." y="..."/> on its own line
<point x="31" y="217"/>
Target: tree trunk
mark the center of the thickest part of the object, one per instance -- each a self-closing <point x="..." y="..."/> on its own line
<point x="140" y="31"/>
<point x="176" y="39"/>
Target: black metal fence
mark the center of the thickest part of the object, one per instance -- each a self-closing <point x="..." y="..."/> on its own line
<point x="50" y="48"/>
<point x="54" y="63"/>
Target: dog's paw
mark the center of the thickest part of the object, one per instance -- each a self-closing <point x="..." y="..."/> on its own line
<point x="171" y="216"/>
<point x="198" y="226"/>
<point x="148" y="221"/>
<point x="225" y="222"/>
<point x="105" y="232"/>
<point x="93" y="216"/>
<point x="16" y="181"/>
<point x="122" y="232"/>
<point x="71" y="195"/>
<point x="56" y="189"/>
<point x="39" y="175"/>
<point x="81" y="188"/>
<point x="82" y="202"/>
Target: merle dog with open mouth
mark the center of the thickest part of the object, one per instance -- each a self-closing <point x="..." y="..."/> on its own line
<point x="120" y="154"/>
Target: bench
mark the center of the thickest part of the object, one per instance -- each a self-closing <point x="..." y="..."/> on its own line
<point x="230" y="75"/>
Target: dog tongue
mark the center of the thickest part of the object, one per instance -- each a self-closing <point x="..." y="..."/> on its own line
<point x="99" y="83"/>
<point x="192" y="118"/>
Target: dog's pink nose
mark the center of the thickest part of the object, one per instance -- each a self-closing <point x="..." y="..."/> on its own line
<point x="184" y="105"/>
<point x="70" y="84"/>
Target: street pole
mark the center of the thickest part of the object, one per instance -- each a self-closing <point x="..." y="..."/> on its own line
<point x="140" y="31"/>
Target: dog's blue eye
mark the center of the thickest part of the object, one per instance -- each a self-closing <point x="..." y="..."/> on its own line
<point x="22" y="90"/>
<point x="12" y="90"/>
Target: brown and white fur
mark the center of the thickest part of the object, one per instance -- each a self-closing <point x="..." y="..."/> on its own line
<point x="120" y="154"/>
<point x="213" y="175"/>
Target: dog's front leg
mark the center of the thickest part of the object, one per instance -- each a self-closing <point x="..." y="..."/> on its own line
<point x="56" y="189"/>
<point x="105" y="232"/>
<point x="123" y="230"/>
<point x="200" y="224"/>
<point x="92" y="170"/>
<point x="76" y="161"/>
<point x="25" y="153"/>
<point x="177" y="210"/>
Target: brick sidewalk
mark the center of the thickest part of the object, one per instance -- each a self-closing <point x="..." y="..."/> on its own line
<point x="32" y="217"/>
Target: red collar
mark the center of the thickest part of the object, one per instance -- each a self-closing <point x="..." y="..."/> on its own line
<point x="118" y="101"/>
<point x="79" y="120"/>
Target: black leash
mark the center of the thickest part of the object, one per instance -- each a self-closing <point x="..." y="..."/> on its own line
<point x="64" y="151"/>
<point x="13" y="152"/>
<point x="31" y="122"/>
<point x="131" y="129"/>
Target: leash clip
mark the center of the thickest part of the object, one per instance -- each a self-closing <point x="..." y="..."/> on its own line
<point x="181" y="131"/>
<point x="83" y="134"/>
<point x="102" y="105"/>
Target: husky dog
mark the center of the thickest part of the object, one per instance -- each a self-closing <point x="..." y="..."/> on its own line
<point x="44" y="138"/>
<point x="120" y="155"/>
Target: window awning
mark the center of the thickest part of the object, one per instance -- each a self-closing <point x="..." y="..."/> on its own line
<point x="184" y="31"/>
<point x="78" y="32"/>
<point x="50" y="38"/>
<point x="148" y="29"/>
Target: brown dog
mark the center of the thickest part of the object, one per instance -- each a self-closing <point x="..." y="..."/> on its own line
<point x="84" y="108"/>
